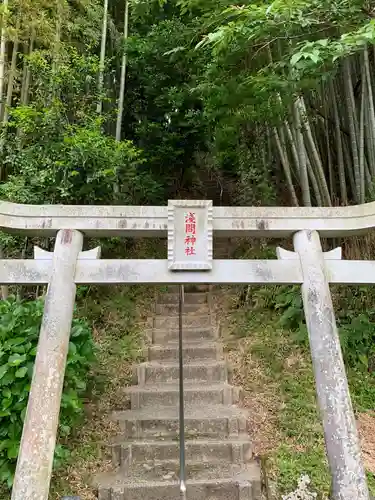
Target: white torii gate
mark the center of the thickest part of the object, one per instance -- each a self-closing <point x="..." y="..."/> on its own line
<point x="189" y="226"/>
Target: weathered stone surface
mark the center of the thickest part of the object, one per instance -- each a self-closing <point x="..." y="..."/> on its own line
<point x="191" y="334"/>
<point x="190" y="221"/>
<point x="340" y="432"/>
<point x="34" y="465"/>
<point x="220" y="421"/>
<point x="204" y="482"/>
<point x="192" y="352"/>
<point x="219" y="461"/>
<point x="207" y="371"/>
<point x="188" y="321"/>
<point x="189" y="298"/>
<point x="208" y="451"/>
<point x="167" y="394"/>
<point x="141" y="221"/>
<point x="172" y="309"/>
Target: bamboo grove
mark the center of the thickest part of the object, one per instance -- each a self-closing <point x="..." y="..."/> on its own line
<point x="315" y="63"/>
<point x="103" y="100"/>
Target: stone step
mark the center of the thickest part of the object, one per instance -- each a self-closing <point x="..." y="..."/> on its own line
<point x="154" y="372"/>
<point x="173" y="309"/>
<point x="162" y="336"/>
<point x="167" y="394"/>
<point x="204" y="482"/>
<point x="188" y="320"/>
<point x="190" y="288"/>
<point x="209" y="350"/>
<point x="228" y="451"/>
<point x="145" y="454"/>
<point x="219" y="421"/>
<point x="189" y="298"/>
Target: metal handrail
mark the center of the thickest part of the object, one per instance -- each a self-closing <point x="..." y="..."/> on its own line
<point x="181" y="395"/>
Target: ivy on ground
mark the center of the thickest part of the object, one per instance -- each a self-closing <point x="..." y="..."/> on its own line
<point x="19" y="331"/>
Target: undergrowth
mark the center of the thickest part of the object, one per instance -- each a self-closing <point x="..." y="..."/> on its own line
<point x="275" y="353"/>
<point x="113" y="315"/>
<point x="110" y="316"/>
<point x="116" y="315"/>
<point x="19" y="331"/>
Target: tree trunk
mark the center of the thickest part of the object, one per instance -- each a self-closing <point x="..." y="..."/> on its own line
<point x="2" y="56"/>
<point x="339" y="147"/>
<point x="99" y="107"/>
<point x="12" y="73"/>
<point x="123" y="75"/>
<point x="352" y="129"/>
<point x="286" y="167"/>
<point x="302" y="158"/>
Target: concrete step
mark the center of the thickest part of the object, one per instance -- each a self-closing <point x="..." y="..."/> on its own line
<point x="191" y="352"/>
<point x="212" y="451"/>
<point x="189" y="298"/>
<point x="204" y="482"/>
<point x="210" y="421"/>
<point x="166" y="394"/>
<point x="188" y="320"/>
<point x="190" y="288"/>
<point x="173" y="309"/>
<point x="162" y="336"/>
<point x="145" y="454"/>
<point x="154" y="372"/>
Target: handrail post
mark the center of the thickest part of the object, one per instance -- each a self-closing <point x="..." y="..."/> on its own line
<point x="341" y="437"/>
<point x="35" y="459"/>
<point x="181" y="394"/>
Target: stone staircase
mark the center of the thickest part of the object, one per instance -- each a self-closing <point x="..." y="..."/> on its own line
<point x="145" y="455"/>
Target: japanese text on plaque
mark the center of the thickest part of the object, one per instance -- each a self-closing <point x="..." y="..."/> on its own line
<point x="190" y="233"/>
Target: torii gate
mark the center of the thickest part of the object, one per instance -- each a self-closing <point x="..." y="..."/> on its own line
<point x="190" y="226"/>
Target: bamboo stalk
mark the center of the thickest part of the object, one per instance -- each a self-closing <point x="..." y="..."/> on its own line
<point x="301" y="151"/>
<point x="362" y="139"/>
<point x="339" y="148"/>
<point x="12" y="73"/>
<point x="27" y="73"/>
<point x="102" y="57"/>
<point x="314" y="183"/>
<point x="286" y="166"/>
<point x="2" y="56"/>
<point x="315" y="155"/>
<point x="370" y="109"/>
<point x="352" y="129"/>
<point x="120" y="111"/>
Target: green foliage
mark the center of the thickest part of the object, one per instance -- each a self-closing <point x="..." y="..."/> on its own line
<point x="289" y="302"/>
<point x="356" y="329"/>
<point x="19" y="330"/>
<point x="54" y="149"/>
<point x="284" y="382"/>
<point x="55" y="162"/>
<point x="164" y="117"/>
<point x="261" y="57"/>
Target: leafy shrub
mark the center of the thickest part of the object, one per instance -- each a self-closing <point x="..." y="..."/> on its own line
<point x="19" y="331"/>
<point x="55" y="149"/>
<point x="357" y="337"/>
<point x="289" y="302"/>
<point x="356" y="330"/>
<point x="57" y="162"/>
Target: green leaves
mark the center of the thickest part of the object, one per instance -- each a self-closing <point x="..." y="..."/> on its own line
<point x="19" y="332"/>
<point x="21" y="372"/>
<point x="357" y="331"/>
<point x="289" y="302"/>
<point x="310" y="55"/>
<point x="16" y="359"/>
<point x="3" y="370"/>
<point x="64" y="155"/>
